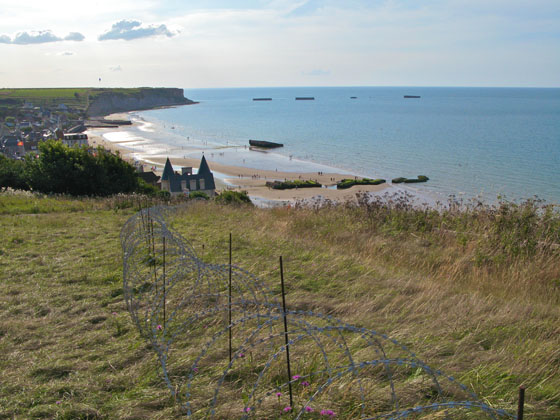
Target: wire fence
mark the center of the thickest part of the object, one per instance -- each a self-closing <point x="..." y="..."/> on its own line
<point x="224" y="343"/>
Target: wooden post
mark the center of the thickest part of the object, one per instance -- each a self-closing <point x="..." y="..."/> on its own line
<point x="521" y="403"/>
<point x="286" y="333"/>
<point x="229" y="298"/>
<point x="164" y="297"/>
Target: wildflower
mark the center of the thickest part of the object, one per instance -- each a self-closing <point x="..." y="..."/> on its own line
<point x="287" y="409"/>
<point x="304" y="383"/>
<point x="278" y="394"/>
<point x="241" y="354"/>
<point x="114" y="313"/>
<point x="58" y="402"/>
<point x="309" y="409"/>
<point x="296" y="377"/>
<point x="247" y="409"/>
<point x="329" y="413"/>
<point x="159" y="327"/>
<point x="195" y="369"/>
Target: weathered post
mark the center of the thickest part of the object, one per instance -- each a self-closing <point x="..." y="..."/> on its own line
<point x="286" y="333"/>
<point x="164" y="297"/>
<point x="229" y="298"/>
<point x="521" y="403"/>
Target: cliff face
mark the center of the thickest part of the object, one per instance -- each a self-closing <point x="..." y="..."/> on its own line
<point x="123" y="100"/>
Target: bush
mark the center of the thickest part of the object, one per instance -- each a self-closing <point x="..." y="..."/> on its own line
<point x="347" y="183"/>
<point x="288" y="185"/>
<point x="12" y="174"/>
<point x="199" y="194"/>
<point x="61" y="169"/>
<point x="233" y="197"/>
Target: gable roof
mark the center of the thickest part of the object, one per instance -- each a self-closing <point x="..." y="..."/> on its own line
<point x="167" y="171"/>
<point x="175" y="179"/>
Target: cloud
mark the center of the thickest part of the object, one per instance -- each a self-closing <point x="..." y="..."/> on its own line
<point x="133" y="29"/>
<point x="115" y="68"/>
<point x="35" y="37"/>
<point x="65" y="53"/>
<point x="74" y="36"/>
<point x="39" y="37"/>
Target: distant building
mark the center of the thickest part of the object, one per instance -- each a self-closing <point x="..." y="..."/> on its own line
<point x="12" y="146"/>
<point x="75" y="140"/>
<point x="187" y="182"/>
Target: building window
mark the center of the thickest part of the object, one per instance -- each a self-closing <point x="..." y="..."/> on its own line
<point x="193" y="185"/>
<point x="201" y="182"/>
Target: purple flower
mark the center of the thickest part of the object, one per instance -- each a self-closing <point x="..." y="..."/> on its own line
<point x="287" y="409"/>
<point x="296" y="377"/>
<point x="309" y="409"/>
<point x="114" y="313"/>
<point x="247" y="409"/>
<point x="159" y="327"/>
<point x="278" y="394"/>
<point x="329" y="413"/>
<point x="195" y="369"/>
<point x="304" y="383"/>
<point x="58" y="402"/>
<point x="241" y="354"/>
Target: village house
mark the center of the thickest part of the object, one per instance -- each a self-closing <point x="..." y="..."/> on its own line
<point x="75" y="140"/>
<point x="186" y="182"/>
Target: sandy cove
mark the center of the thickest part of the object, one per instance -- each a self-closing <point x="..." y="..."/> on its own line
<point x="248" y="179"/>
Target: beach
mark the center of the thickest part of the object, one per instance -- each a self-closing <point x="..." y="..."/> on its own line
<point x="230" y="177"/>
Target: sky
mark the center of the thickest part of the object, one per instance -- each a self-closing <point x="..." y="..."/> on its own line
<point x="252" y="43"/>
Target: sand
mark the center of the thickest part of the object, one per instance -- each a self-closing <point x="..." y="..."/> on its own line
<point x="248" y="179"/>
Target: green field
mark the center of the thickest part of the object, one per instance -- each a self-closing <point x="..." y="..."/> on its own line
<point x="475" y="294"/>
<point x="72" y="97"/>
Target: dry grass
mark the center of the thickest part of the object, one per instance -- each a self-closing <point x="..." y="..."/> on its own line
<point x="494" y="325"/>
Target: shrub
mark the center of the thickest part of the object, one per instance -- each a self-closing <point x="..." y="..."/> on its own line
<point x="288" y="185"/>
<point x="12" y="173"/>
<point x="233" y="197"/>
<point x="199" y="194"/>
<point x="347" y="183"/>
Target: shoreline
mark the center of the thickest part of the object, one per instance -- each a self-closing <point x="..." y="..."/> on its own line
<point x="230" y="177"/>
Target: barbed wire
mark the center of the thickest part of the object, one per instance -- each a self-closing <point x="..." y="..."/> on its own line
<point x="176" y="300"/>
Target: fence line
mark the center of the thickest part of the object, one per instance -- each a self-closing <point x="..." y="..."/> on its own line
<point x="175" y="299"/>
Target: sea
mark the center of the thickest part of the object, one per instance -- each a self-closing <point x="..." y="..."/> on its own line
<point x="483" y="143"/>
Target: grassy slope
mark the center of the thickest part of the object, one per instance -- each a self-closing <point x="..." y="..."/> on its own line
<point x="60" y="283"/>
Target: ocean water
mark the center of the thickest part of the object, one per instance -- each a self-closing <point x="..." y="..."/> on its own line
<point x="486" y="142"/>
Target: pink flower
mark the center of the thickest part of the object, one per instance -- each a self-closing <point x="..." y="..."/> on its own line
<point x="278" y="394"/>
<point x="241" y="354"/>
<point x="247" y="409"/>
<point x="287" y="409"/>
<point x="329" y="413"/>
<point x="296" y="377"/>
<point x="309" y="409"/>
<point x="114" y="313"/>
<point x="195" y="369"/>
<point x="159" y="327"/>
<point x="58" y="402"/>
<point x="304" y="383"/>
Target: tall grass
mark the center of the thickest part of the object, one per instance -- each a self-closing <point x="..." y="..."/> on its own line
<point x="473" y="290"/>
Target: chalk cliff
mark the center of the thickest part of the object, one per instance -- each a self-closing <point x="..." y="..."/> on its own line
<point x="124" y="100"/>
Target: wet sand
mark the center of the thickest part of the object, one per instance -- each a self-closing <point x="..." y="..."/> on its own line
<point x="242" y="178"/>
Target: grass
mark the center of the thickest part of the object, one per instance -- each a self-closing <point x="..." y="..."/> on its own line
<point x="73" y="97"/>
<point x="475" y="294"/>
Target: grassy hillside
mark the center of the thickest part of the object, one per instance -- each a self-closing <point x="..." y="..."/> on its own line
<point x="476" y="294"/>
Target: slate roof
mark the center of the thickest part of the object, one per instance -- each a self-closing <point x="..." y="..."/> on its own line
<point x="175" y="178"/>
